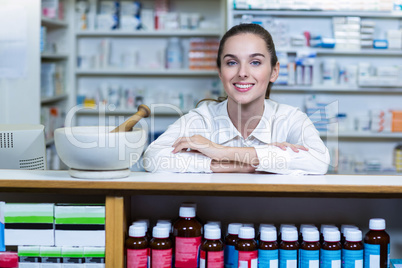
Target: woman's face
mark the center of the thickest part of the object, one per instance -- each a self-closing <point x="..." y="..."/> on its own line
<point x="246" y="69"/>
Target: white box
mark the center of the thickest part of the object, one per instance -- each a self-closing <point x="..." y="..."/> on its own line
<point x="80" y="238"/>
<point x="18" y="237"/>
<point x="21" y="224"/>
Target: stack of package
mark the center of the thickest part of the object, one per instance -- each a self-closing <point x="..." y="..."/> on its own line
<point x="396" y="121"/>
<point x="347" y="32"/>
<point x="79" y="225"/>
<point x="367" y="33"/>
<point x="203" y="53"/>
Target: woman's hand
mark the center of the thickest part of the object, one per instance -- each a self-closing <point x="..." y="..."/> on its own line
<point x="198" y="143"/>
<point x="294" y="147"/>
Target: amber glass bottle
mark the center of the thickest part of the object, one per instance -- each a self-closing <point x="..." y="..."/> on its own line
<point x="161" y="248"/>
<point x="247" y="248"/>
<point x="187" y="233"/>
<point x="376" y="245"/>
<point x="212" y="248"/>
<point x="137" y="247"/>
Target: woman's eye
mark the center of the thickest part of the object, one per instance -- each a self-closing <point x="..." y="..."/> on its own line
<point x="231" y="63"/>
<point x="255" y="62"/>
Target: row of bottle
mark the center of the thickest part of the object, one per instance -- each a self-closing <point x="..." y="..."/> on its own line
<point x="182" y="245"/>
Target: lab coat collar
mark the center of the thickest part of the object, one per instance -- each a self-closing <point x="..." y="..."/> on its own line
<point x="227" y="131"/>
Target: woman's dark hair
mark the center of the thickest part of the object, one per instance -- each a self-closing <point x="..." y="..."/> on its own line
<point x="251" y="29"/>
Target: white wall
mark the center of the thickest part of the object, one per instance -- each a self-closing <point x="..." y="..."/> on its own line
<point x="20" y="98"/>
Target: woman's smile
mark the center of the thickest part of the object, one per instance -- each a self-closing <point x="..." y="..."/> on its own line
<point x="243" y="87"/>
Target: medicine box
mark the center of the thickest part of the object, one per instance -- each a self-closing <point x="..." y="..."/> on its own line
<point x="50" y="257"/>
<point x="79" y="225"/>
<point x="29" y="224"/>
<point x="94" y="257"/>
<point x="73" y="257"/>
<point x="28" y="257"/>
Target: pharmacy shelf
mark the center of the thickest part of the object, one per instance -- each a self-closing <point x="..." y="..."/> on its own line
<point x="159" y="112"/>
<point x="364" y="135"/>
<point x="336" y="89"/>
<point x="149" y="72"/>
<point x="354" y="52"/>
<point x="46" y="100"/>
<point x="53" y="23"/>
<point x="317" y="13"/>
<point x="54" y="56"/>
<point x="156" y="33"/>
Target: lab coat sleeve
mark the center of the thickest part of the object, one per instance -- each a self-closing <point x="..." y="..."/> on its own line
<point x="301" y="131"/>
<point x="158" y="157"/>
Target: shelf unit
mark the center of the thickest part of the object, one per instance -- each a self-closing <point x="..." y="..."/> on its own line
<point x="149" y="42"/>
<point x="356" y="101"/>
<point x="56" y="32"/>
<point x="149" y="72"/>
<point x="155" y="33"/>
<point x="121" y="196"/>
<point x="337" y="89"/>
<point x="316" y="13"/>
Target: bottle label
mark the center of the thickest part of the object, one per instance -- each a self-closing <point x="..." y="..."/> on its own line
<point x="288" y="258"/>
<point x="161" y="258"/>
<point x="330" y="258"/>
<point x="352" y="258"/>
<point x="137" y="258"/>
<point x="372" y="255"/>
<point x="231" y="257"/>
<point x="187" y="252"/>
<point x="248" y="259"/>
<point x="211" y="259"/>
<point x="268" y="258"/>
<point x="309" y="258"/>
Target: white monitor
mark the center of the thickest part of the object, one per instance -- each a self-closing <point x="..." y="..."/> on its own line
<point x="22" y="146"/>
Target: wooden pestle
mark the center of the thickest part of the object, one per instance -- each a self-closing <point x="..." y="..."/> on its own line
<point x="143" y="112"/>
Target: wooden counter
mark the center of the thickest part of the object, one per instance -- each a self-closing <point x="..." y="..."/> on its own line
<point x="117" y="192"/>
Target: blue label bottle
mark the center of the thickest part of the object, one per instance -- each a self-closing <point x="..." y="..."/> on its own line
<point x="331" y="250"/>
<point x="309" y="253"/>
<point x="288" y="248"/>
<point x="376" y="245"/>
<point x="352" y="253"/>
<point x="268" y="249"/>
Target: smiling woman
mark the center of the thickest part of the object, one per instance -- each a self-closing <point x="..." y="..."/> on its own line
<point x="247" y="132"/>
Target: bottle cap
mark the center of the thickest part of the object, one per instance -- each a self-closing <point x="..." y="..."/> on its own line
<point x="211" y="225"/>
<point x="262" y="228"/>
<point x="347" y="229"/>
<point x="377" y="224"/>
<point x="287" y="226"/>
<point x="213" y="232"/>
<point x="165" y="225"/>
<point x="354" y="235"/>
<point x="141" y="223"/>
<point x="289" y="234"/>
<point x="268" y="234"/>
<point x="262" y="225"/>
<point x="215" y="222"/>
<point x="189" y="204"/>
<point x="350" y="226"/>
<point x="233" y="228"/>
<point x="323" y="226"/>
<point x="144" y="220"/>
<point x="246" y="233"/>
<point x="332" y="235"/>
<point x="302" y="226"/>
<point x="160" y="232"/>
<point x="187" y="212"/>
<point x="311" y="235"/>
<point x="248" y="225"/>
<point x="136" y="231"/>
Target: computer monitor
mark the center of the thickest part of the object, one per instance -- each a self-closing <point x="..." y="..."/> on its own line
<point x="22" y="146"/>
